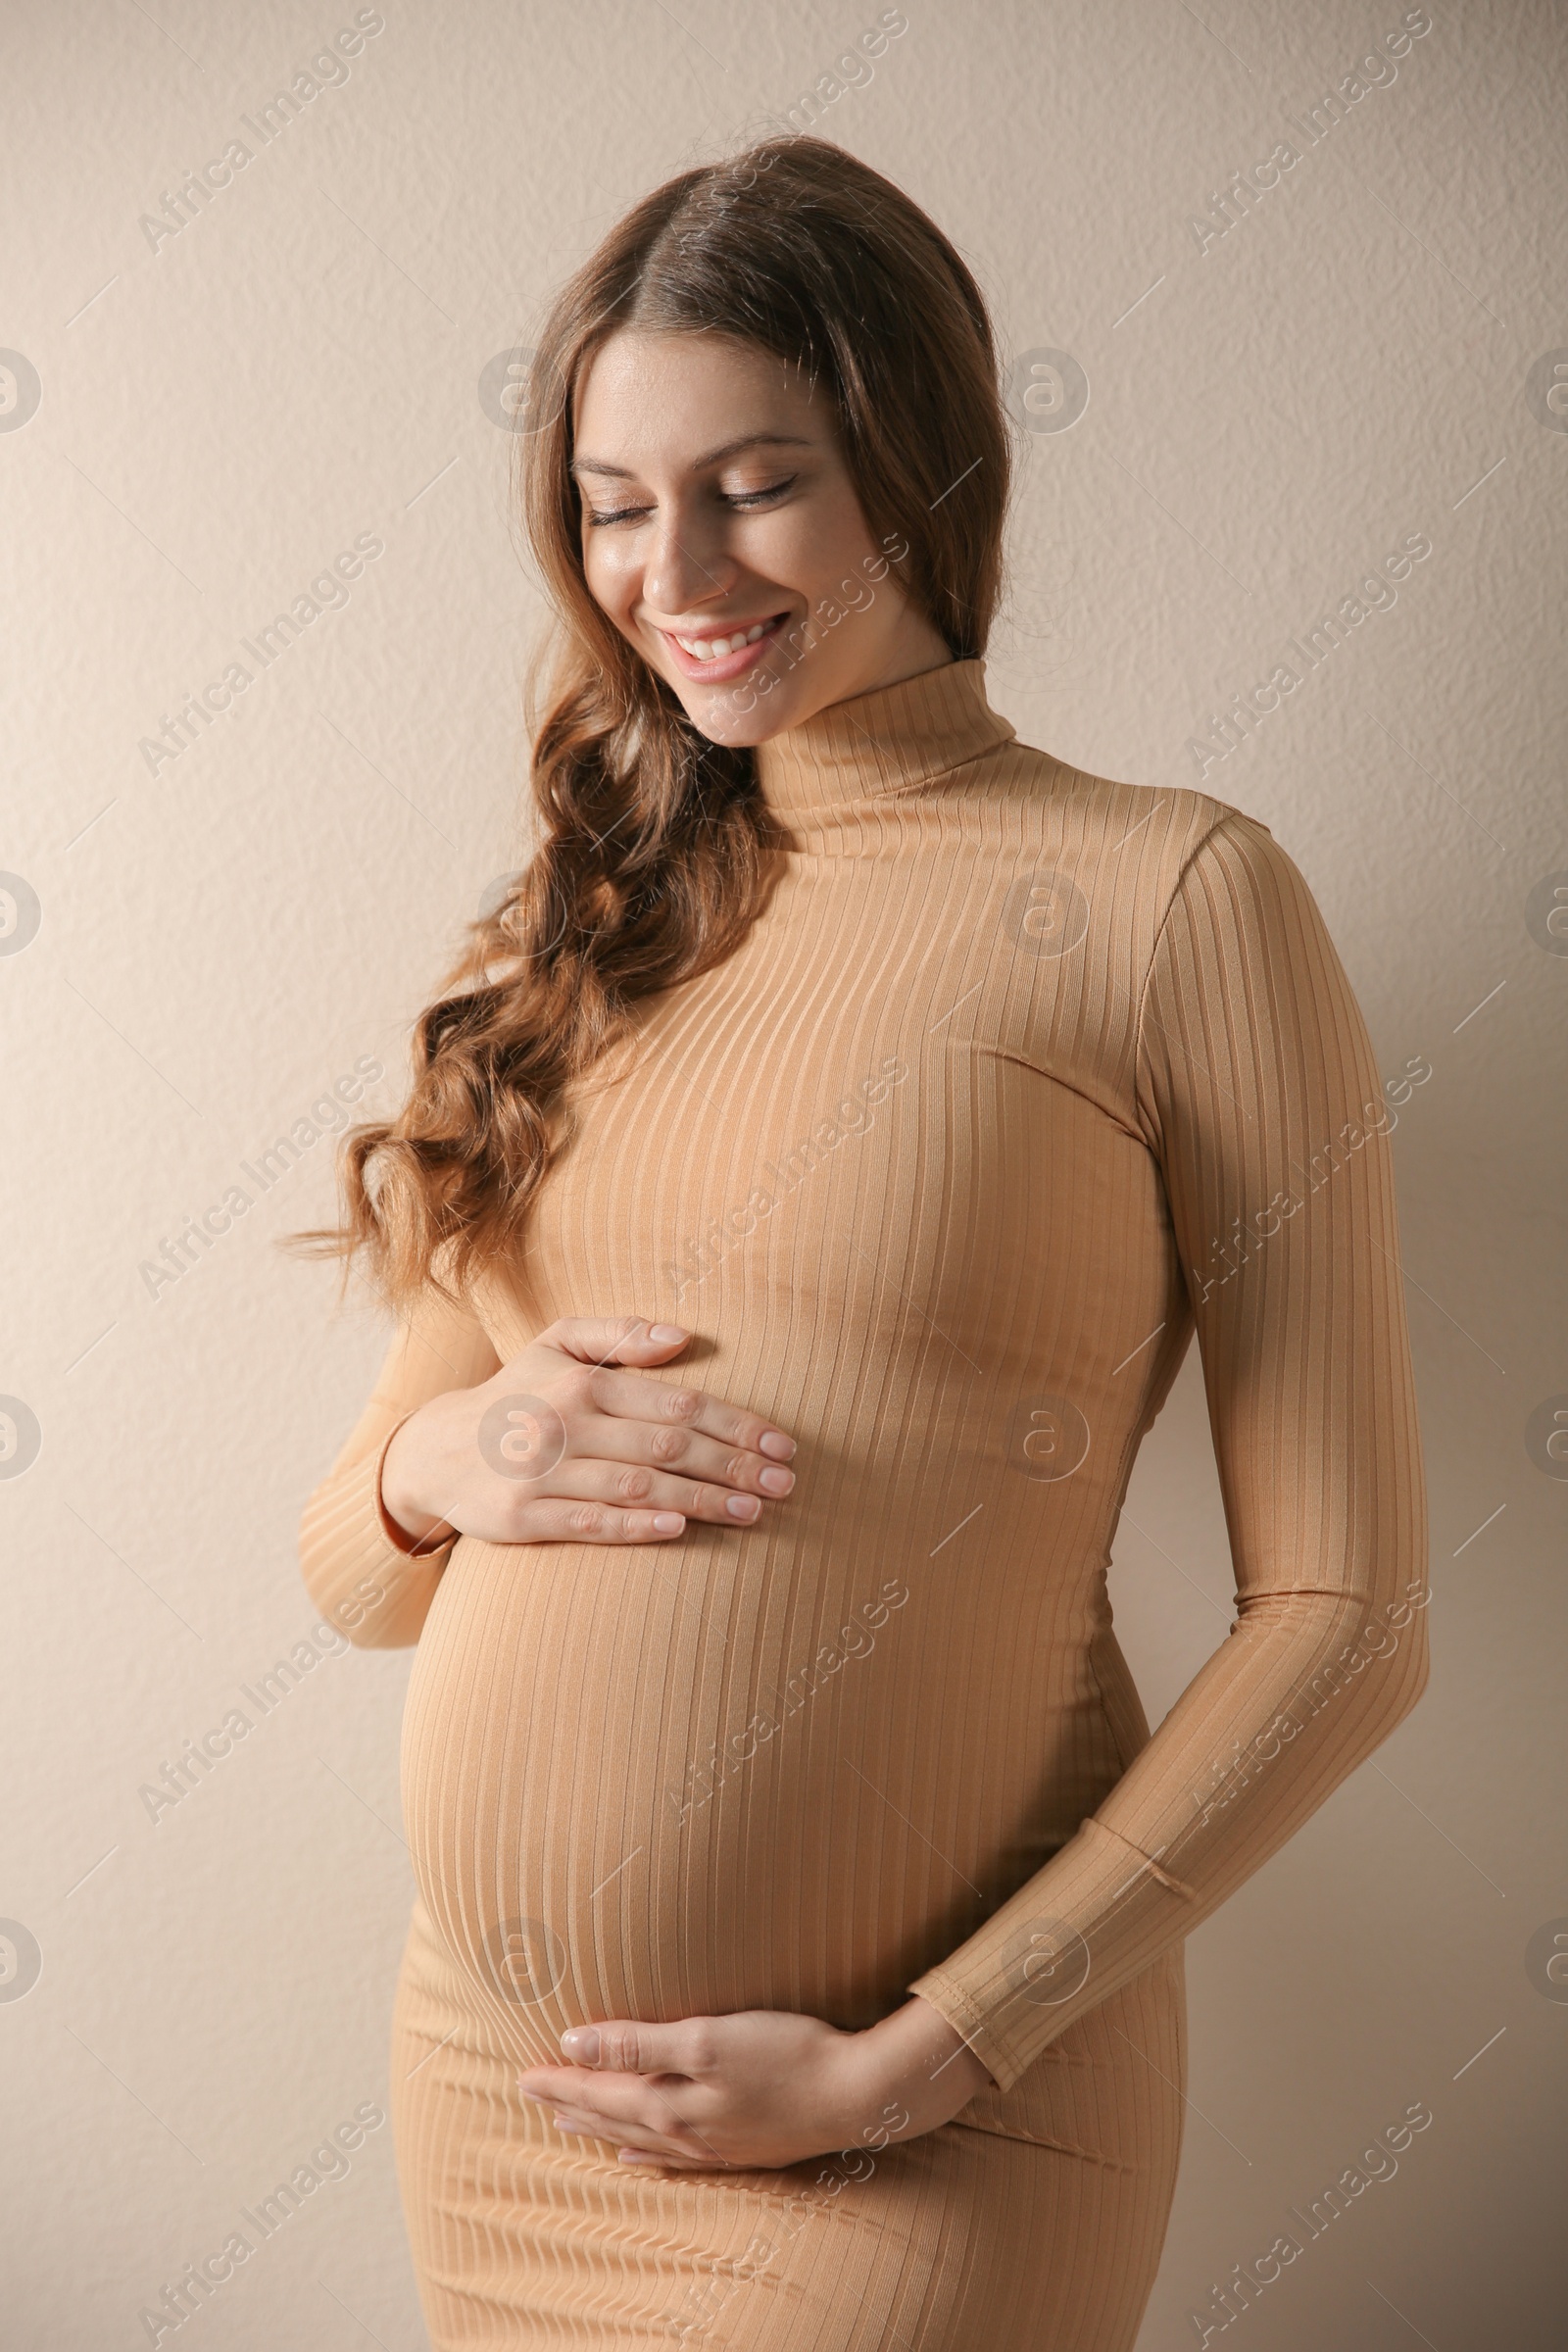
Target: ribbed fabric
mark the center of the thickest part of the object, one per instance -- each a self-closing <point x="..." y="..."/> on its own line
<point x="1020" y="1074"/>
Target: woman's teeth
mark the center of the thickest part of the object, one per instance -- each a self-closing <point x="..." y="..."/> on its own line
<point x="714" y="649"/>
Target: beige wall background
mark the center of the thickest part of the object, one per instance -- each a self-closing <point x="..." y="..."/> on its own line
<point x="198" y="947"/>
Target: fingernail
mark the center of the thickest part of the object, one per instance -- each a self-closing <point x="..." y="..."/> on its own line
<point x="776" y="1482"/>
<point x="581" y="2044"/>
<point x="743" y="1506"/>
<point x="668" y="1523"/>
<point x="663" y="1332"/>
<point x="775" y="1442"/>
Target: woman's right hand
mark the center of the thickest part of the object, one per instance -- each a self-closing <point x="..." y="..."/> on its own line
<point x="569" y="1443"/>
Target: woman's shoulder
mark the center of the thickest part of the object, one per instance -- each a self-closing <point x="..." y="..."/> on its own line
<point x="1090" y="816"/>
<point x="1143" y="863"/>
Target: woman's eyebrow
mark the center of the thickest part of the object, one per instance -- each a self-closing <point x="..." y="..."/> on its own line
<point x="712" y="457"/>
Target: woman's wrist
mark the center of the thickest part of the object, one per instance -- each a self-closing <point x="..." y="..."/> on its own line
<point x="917" y="2062"/>
<point x="404" y="1508"/>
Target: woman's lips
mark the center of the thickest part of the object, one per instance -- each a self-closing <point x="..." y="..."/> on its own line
<point x="725" y="666"/>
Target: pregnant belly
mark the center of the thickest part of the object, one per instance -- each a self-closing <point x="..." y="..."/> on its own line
<point x="619" y="1768"/>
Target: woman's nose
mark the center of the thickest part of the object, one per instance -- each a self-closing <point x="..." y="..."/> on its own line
<point x="683" y="569"/>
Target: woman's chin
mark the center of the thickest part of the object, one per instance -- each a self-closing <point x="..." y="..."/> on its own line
<point x="740" y="715"/>
<point x="737" y="733"/>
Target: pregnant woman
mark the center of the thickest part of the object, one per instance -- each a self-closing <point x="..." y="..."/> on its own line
<point x="807" y="1192"/>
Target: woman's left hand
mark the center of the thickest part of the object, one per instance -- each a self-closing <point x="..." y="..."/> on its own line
<point x="758" y="2089"/>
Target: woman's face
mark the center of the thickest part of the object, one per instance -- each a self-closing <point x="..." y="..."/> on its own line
<point x="717" y="513"/>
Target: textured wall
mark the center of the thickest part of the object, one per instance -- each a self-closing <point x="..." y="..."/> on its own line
<point x="196" y="421"/>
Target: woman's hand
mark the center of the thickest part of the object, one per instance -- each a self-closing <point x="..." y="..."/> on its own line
<point x="762" y="2089"/>
<point x="562" y="1445"/>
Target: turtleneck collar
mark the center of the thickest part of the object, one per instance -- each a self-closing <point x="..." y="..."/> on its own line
<point x="885" y="742"/>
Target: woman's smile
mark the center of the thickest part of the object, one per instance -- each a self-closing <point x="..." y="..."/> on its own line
<point x="714" y="653"/>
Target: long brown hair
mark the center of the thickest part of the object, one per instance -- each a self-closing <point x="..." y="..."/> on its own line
<point x="656" y="845"/>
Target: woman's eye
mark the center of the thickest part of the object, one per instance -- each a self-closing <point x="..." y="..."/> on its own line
<point x="597" y="515"/>
<point x="758" y="498"/>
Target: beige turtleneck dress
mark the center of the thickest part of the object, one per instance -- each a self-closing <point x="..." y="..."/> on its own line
<point x="1020" y="1076"/>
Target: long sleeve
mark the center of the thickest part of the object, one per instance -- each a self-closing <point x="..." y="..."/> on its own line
<point x="1259" y="1095"/>
<point x="361" y="1576"/>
